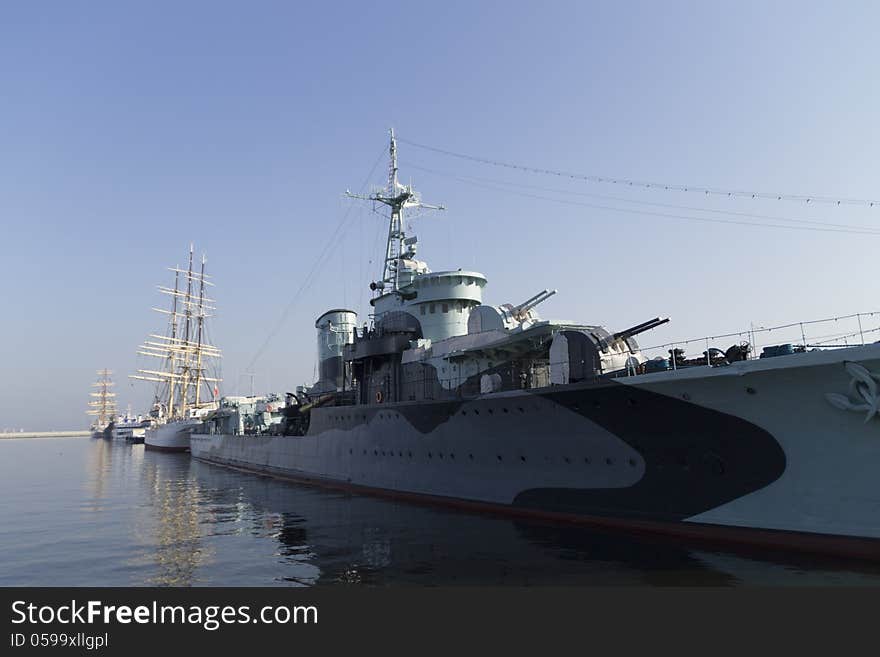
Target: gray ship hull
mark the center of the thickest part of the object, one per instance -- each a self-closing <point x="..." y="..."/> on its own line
<point x="753" y="452"/>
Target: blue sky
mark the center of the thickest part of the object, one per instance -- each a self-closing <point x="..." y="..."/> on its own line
<point x="128" y="130"/>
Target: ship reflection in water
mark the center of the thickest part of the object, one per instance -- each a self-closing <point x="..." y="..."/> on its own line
<point x="93" y="512"/>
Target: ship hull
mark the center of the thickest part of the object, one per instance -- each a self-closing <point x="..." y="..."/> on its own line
<point x="170" y="437"/>
<point x="131" y="434"/>
<point x="750" y="453"/>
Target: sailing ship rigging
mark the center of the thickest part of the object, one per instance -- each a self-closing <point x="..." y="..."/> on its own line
<point x="187" y="383"/>
<point x="103" y="406"/>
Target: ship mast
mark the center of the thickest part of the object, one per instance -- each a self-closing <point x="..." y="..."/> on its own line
<point x="397" y="197"/>
<point x="171" y="359"/>
<point x="201" y="322"/>
<point x="187" y="361"/>
<point x="184" y="348"/>
<point x="103" y="408"/>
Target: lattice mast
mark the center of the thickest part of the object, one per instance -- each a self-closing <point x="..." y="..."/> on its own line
<point x="398" y="197"/>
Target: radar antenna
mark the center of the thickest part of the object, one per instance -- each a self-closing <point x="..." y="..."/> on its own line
<point x="399" y="198"/>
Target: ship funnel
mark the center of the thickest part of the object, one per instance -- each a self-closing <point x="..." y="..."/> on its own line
<point x="335" y="330"/>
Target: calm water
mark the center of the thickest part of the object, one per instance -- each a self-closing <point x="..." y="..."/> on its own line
<point x="84" y="512"/>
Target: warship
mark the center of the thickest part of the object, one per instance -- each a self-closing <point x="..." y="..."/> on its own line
<point x="185" y="392"/>
<point x="103" y="407"/>
<point x="445" y="399"/>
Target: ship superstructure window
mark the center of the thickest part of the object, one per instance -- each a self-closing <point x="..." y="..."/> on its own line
<point x="445" y="307"/>
<point x="433" y="308"/>
<point x="422" y="308"/>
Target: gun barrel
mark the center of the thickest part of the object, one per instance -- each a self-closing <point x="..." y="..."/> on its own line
<point x="541" y="297"/>
<point x="640" y="328"/>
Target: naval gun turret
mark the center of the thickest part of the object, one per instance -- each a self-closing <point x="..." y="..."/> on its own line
<point x="506" y="316"/>
<point x="584" y="354"/>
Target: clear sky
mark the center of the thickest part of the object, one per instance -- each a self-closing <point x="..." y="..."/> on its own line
<point x="128" y="130"/>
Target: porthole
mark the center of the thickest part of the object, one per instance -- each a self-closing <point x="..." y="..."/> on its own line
<point x="409" y="454"/>
<point x="476" y="412"/>
<point x="440" y="454"/>
<point x="520" y="409"/>
<point x="498" y="456"/>
<point x="471" y="457"/>
<point x="587" y="460"/>
<point x="609" y="460"/>
<point x="750" y="390"/>
<point x="452" y="456"/>
<point x="566" y="459"/>
<point x="430" y="456"/>
<point x="522" y="458"/>
<point x="491" y="411"/>
<point x="351" y="451"/>
<point x="464" y="412"/>
<point x="505" y="410"/>
<point x="632" y="462"/>
<point x="375" y="452"/>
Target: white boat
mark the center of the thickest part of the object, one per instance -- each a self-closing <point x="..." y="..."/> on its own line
<point x="185" y="391"/>
<point x="171" y="436"/>
<point x="131" y="428"/>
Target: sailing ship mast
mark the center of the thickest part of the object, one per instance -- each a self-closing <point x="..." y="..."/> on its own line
<point x="103" y="407"/>
<point x="184" y="349"/>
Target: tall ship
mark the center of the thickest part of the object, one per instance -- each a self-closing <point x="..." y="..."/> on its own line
<point x="102" y="406"/>
<point x="447" y="399"/>
<point x="186" y="384"/>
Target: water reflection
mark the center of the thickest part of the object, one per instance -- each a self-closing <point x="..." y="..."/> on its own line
<point x="172" y="515"/>
<point x="101" y="513"/>
<point x="367" y="540"/>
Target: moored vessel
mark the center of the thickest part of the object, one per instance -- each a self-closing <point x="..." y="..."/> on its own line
<point x="103" y="407"/>
<point x="131" y="428"/>
<point x="450" y="400"/>
<point x="186" y="390"/>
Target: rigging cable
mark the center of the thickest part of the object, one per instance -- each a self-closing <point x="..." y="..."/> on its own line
<point x="316" y="267"/>
<point x="667" y="215"/>
<point x="750" y="215"/>
<point x="716" y="191"/>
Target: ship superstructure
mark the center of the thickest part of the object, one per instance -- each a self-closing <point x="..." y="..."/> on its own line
<point x="445" y="398"/>
<point x="103" y="405"/>
<point x="185" y="375"/>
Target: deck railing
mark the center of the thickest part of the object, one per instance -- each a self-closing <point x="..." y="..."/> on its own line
<point x="829" y="333"/>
